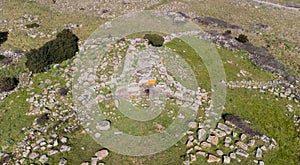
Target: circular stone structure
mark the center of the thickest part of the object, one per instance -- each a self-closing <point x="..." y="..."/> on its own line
<point x="85" y="83"/>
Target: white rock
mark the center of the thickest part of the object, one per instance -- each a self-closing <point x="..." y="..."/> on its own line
<point x="102" y="154"/>
<point x="43" y="159"/>
<point x="226" y="159"/>
<point x="258" y="153"/>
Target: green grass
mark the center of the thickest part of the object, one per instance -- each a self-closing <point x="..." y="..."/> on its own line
<point x="13" y="118"/>
<point x="14" y="69"/>
<point x="192" y="59"/>
<point x="50" y="20"/>
<point x="269" y="117"/>
<point x="234" y="61"/>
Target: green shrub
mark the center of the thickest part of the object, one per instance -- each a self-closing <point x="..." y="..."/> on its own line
<point x="242" y="38"/>
<point x="63" y="47"/>
<point x="154" y="39"/>
<point x="3" y="37"/>
<point x="2" y="57"/>
<point x="8" y="84"/>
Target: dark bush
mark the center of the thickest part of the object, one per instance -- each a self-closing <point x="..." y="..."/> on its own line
<point x="32" y="25"/>
<point x="8" y="83"/>
<point x="63" y="47"/>
<point x="242" y="38"/>
<point x="42" y="119"/>
<point x="154" y="39"/>
<point x="62" y="91"/>
<point x="2" y="57"/>
<point x="3" y="37"/>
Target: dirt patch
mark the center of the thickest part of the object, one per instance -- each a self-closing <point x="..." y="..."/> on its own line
<point x="259" y="56"/>
<point x="211" y="21"/>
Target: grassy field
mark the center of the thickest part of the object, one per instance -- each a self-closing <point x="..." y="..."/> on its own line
<point x="49" y="21"/>
<point x="271" y="117"/>
<point x="267" y="113"/>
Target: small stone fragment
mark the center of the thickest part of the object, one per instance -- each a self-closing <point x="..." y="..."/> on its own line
<point x="213" y="159"/>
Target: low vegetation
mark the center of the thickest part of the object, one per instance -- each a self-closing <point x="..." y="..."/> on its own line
<point x="8" y="84"/>
<point x="154" y="39"/>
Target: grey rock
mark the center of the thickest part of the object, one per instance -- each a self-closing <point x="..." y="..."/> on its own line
<point x="224" y="128"/>
<point x="258" y="153"/>
<point x="232" y="155"/>
<point x="251" y="143"/>
<point x="33" y="155"/>
<point x="103" y="125"/>
<point x="94" y="160"/>
<point x="25" y="153"/>
<point x="201" y="133"/>
<point x="243" y="137"/>
<point x="220" y="152"/>
<point x="102" y="154"/>
<point x="43" y="159"/>
<point x="64" y="148"/>
<point x="63" y="161"/>
<point x="52" y="152"/>
<point x="64" y="140"/>
<point x="242" y="145"/>
<point x="226" y="159"/>
<point x="227" y="139"/>
<point x="242" y="153"/>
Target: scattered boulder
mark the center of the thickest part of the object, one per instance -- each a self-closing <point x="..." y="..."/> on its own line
<point x="227" y="140"/>
<point x="64" y="139"/>
<point x="63" y="161"/>
<point x="242" y="153"/>
<point x="220" y="152"/>
<point x="65" y="148"/>
<point x="226" y="159"/>
<point x="251" y="143"/>
<point x="201" y="153"/>
<point x="224" y="128"/>
<point x="258" y="153"/>
<point x="192" y="124"/>
<point x="243" y="137"/>
<point x="33" y="155"/>
<point x="43" y="159"/>
<point x="102" y="154"/>
<point x="232" y="155"/>
<point x="213" y="159"/>
<point x="242" y="145"/>
<point x="201" y="133"/>
<point x="205" y="144"/>
<point x="94" y="160"/>
<point x="213" y="140"/>
<point x="103" y="125"/>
